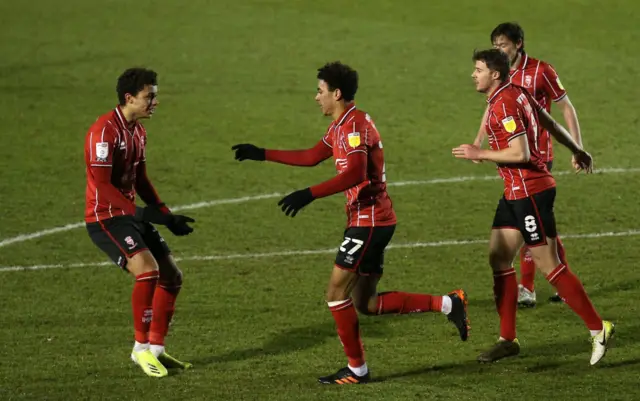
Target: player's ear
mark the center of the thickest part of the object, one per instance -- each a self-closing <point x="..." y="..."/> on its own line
<point x="337" y="94"/>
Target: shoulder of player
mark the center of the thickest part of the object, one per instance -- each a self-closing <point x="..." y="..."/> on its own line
<point x="103" y="126"/>
<point x="540" y="65"/>
<point x="358" y="117"/>
<point x="506" y="99"/>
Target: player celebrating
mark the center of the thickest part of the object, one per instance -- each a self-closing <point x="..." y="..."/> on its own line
<point x="354" y="142"/>
<point x="525" y="212"/>
<point x="542" y="82"/>
<point x="116" y="170"/>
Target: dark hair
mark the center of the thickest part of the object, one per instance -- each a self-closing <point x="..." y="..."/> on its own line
<point x="512" y="30"/>
<point x="495" y="60"/>
<point x="340" y="76"/>
<point x="133" y="80"/>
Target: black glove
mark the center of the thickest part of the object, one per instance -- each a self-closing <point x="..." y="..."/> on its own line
<point x="247" y="151"/>
<point x="179" y="225"/>
<point x="155" y="214"/>
<point x="292" y="203"/>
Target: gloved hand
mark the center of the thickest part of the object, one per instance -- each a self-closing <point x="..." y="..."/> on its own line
<point x="159" y="214"/>
<point x="247" y="151"/>
<point x="179" y="225"/>
<point x="292" y="203"/>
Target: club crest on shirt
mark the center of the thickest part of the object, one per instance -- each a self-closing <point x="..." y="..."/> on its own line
<point x="354" y="139"/>
<point x="509" y="124"/>
<point x="527" y="81"/>
<point x="102" y="151"/>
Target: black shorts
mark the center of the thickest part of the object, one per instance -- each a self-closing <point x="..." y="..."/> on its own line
<point x="549" y="165"/>
<point x="122" y="237"/>
<point x="362" y="250"/>
<point x="532" y="216"/>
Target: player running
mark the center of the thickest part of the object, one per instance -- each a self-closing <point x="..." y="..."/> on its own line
<point x="354" y="142"/>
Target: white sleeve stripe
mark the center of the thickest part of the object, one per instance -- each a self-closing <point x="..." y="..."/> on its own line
<point x="357" y="150"/>
<point x="560" y="97"/>
<point x="101" y="165"/>
<point x="326" y="143"/>
<point x="517" y="135"/>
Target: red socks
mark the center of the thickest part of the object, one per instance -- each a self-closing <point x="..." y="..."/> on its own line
<point x="404" y="302"/>
<point x="348" y="327"/>
<point x="527" y="269"/>
<point x="574" y="295"/>
<point x="505" y="289"/>
<point x="164" y="301"/>
<point x="141" y="301"/>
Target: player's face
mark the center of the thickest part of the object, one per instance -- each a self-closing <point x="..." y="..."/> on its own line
<point x="326" y="98"/>
<point x="145" y="102"/>
<point x="503" y="44"/>
<point x="483" y="77"/>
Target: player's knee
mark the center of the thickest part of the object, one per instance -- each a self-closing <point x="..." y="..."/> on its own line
<point x="141" y="263"/>
<point x="172" y="279"/>
<point x="366" y="306"/>
<point x="497" y="261"/>
<point x="336" y="294"/>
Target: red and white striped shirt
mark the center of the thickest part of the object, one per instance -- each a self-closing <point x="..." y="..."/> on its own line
<point x="368" y="203"/>
<point x="542" y="82"/>
<point x="512" y="113"/>
<point x="114" y="155"/>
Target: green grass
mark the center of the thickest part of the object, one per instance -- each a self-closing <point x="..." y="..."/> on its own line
<point x="258" y="328"/>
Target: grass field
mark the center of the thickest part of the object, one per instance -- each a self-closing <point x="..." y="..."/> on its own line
<point x="251" y="316"/>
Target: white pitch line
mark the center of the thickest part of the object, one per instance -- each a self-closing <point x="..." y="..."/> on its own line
<point x="217" y="202"/>
<point x="315" y="251"/>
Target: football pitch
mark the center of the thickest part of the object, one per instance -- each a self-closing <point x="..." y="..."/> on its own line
<point x="251" y="315"/>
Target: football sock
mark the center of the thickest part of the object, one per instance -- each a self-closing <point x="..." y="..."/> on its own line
<point x="404" y="302"/>
<point x="505" y="290"/>
<point x="348" y="327"/>
<point x="141" y="301"/>
<point x="164" y="301"/>
<point x="574" y="295"/>
<point x="527" y="269"/>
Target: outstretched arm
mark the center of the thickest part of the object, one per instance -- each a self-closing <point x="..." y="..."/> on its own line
<point x="305" y="158"/>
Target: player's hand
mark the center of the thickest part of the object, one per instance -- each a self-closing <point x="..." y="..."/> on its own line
<point x="466" y="151"/>
<point x="582" y="161"/>
<point x="178" y="226"/>
<point x="292" y="203"/>
<point x="247" y="151"/>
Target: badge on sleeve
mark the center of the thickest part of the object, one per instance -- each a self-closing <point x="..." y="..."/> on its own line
<point x="102" y="151"/>
<point x="509" y="124"/>
<point x="354" y="139"/>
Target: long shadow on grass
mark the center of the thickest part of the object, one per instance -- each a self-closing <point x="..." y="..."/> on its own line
<point x="553" y="354"/>
<point x="296" y="339"/>
<point x="613" y="288"/>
